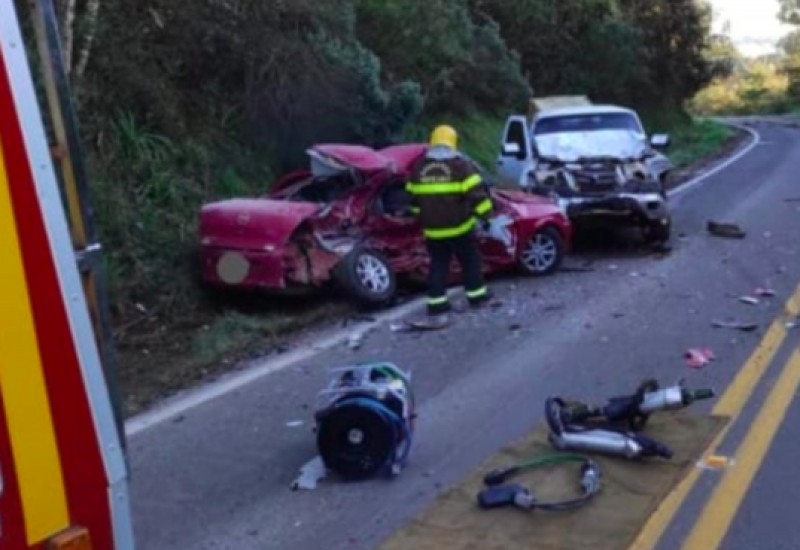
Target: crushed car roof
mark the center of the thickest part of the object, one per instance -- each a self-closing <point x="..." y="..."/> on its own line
<point x="397" y="158"/>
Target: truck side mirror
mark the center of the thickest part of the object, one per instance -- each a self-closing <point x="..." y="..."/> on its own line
<point x="660" y="141"/>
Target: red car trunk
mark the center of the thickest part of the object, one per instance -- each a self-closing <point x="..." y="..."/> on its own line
<point x="245" y="240"/>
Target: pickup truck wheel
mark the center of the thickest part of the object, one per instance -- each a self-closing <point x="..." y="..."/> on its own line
<point x="658" y="232"/>
<point x="543" y="253"/>
<point x="367" y="277"/>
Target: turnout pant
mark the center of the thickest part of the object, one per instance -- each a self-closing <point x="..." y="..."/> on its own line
<point x="441" y="251"/>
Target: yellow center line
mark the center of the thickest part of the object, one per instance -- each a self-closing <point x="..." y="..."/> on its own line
<point x="715" y="520"/>
<point x="730" y="404"/>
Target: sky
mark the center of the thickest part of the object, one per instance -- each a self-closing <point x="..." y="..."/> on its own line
<point x="754" y="24"/>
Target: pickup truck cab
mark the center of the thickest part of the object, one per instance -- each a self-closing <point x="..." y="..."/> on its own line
<point x="595" y="160"/>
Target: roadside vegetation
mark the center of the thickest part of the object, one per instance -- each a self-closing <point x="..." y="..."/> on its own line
<point x="743" y="86"/>
<point x="180" y="105"/>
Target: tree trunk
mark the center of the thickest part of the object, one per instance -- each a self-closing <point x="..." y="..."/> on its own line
<point x="92" y="9"/>
<point x="67" y="31"/>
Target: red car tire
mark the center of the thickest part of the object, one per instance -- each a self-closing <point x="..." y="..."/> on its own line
<point x="542" y="253"/>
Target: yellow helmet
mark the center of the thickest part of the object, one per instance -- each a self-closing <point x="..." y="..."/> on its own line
<point x="444" y="135"/>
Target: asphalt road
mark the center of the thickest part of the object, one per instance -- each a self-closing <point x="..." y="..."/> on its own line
<point x="217" y="475"/>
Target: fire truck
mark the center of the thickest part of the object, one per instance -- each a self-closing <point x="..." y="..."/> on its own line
<point x="63" y="469"/>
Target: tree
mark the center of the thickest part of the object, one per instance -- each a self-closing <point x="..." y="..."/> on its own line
<point x="790" y="48"/>
<point x="789" y="11"/>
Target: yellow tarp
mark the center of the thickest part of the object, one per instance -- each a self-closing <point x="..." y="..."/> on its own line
<point x="630" y="493"/>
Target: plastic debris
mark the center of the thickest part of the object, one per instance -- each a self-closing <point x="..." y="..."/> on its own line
<point x="745" y="327"/>
<point x="554" y="307"/>
<point x="311" y="473"/>
<point x="752" y="300"/>
<point x="697" y="358"/>
<point x="765" y="292"/>
<point x="715" y="462"/>
<point x="435" y="322"/>
<point x="515" y="327"/>
<point x="294" y="423"/>
<point x="355" y="340"/>
<point x="726" y="230"/>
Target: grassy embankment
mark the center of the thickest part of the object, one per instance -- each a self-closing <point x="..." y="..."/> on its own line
<point x="160" y="359"/>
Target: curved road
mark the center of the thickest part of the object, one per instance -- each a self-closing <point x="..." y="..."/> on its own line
<point x="217" y="474"/>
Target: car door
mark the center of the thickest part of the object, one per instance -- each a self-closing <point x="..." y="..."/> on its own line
<point x="515" y="160"/>
<point x="393" y="230"/>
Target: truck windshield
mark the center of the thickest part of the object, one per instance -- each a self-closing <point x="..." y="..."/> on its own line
<point x="587" y="123"/>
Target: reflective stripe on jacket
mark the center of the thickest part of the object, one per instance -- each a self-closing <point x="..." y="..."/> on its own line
<point x="448" y="193"/>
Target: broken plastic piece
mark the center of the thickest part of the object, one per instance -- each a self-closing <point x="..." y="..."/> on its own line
<point x="311" y="473"/>
<point x="294" y="423"/>
<point x="765" y="292"/>
<point x="745" y="327"/>
<point x="699" y="357"/>
<point x="726" y="230"/>
<point x="752" y="300"/>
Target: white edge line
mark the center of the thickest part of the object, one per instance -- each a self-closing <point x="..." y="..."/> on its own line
<point x="701" y="178"/>
<point x="191" y="398"/>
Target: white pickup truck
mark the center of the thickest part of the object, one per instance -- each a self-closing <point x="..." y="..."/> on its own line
<point x="595" y="160"/>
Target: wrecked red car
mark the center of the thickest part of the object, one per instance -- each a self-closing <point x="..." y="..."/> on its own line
<point x="346" y="221"/>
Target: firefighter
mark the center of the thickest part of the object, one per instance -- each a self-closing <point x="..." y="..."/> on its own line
<point x="450" y="199"/>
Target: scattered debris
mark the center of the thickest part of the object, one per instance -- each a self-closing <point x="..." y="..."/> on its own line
<point x="745" y="327"/>
<point x="683" y="237"/>
<point x="792" y="199"/>
<point x="311" y="473"/>
<point x="752" y="300"/>
<point x="436" y="322"/>
<point x="794" y="323"/>
<point x="515" y="326"/>
<point x="294" y="423"/>
<point x="585" y="267"/>
<point x="554" y="307"/>
<point x="726" y="230"/>
<point x="496" y="304"/>
<point x="699" y="357"/>
<point x="765" y="292"/>
<point x="715" y="462"/>
<point x="618" y="315"/>
<point x="613" y="267"/>
<point x="355" y="341"/>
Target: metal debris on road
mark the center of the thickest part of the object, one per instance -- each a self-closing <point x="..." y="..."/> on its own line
<point x="752" y="300"/>
<point x="437" y="322"/>
<point x="585" y="267"/>
<point x="697" y="358"/>
<point x="311" y="473"/>
<point x="765" y="292"/>
<point x="745" y="327"/>
<point x="726" y="230"/>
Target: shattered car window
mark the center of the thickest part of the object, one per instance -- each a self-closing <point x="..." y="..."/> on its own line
<point x="325" y="189"/>
<point x="587" y="123"/>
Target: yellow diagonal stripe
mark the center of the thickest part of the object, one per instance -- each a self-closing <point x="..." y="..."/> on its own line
<point x="27" y="408"/>
<point x="730" y="404"/>
<point x="715" y="520"/>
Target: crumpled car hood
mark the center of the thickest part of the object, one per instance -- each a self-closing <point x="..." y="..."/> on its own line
<point x="572" y="146"/>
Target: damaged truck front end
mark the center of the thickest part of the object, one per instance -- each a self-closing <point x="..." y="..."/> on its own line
<point x="606" y="189"/>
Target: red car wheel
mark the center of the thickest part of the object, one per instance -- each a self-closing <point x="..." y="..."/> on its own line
<point x="542" y="253"/>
